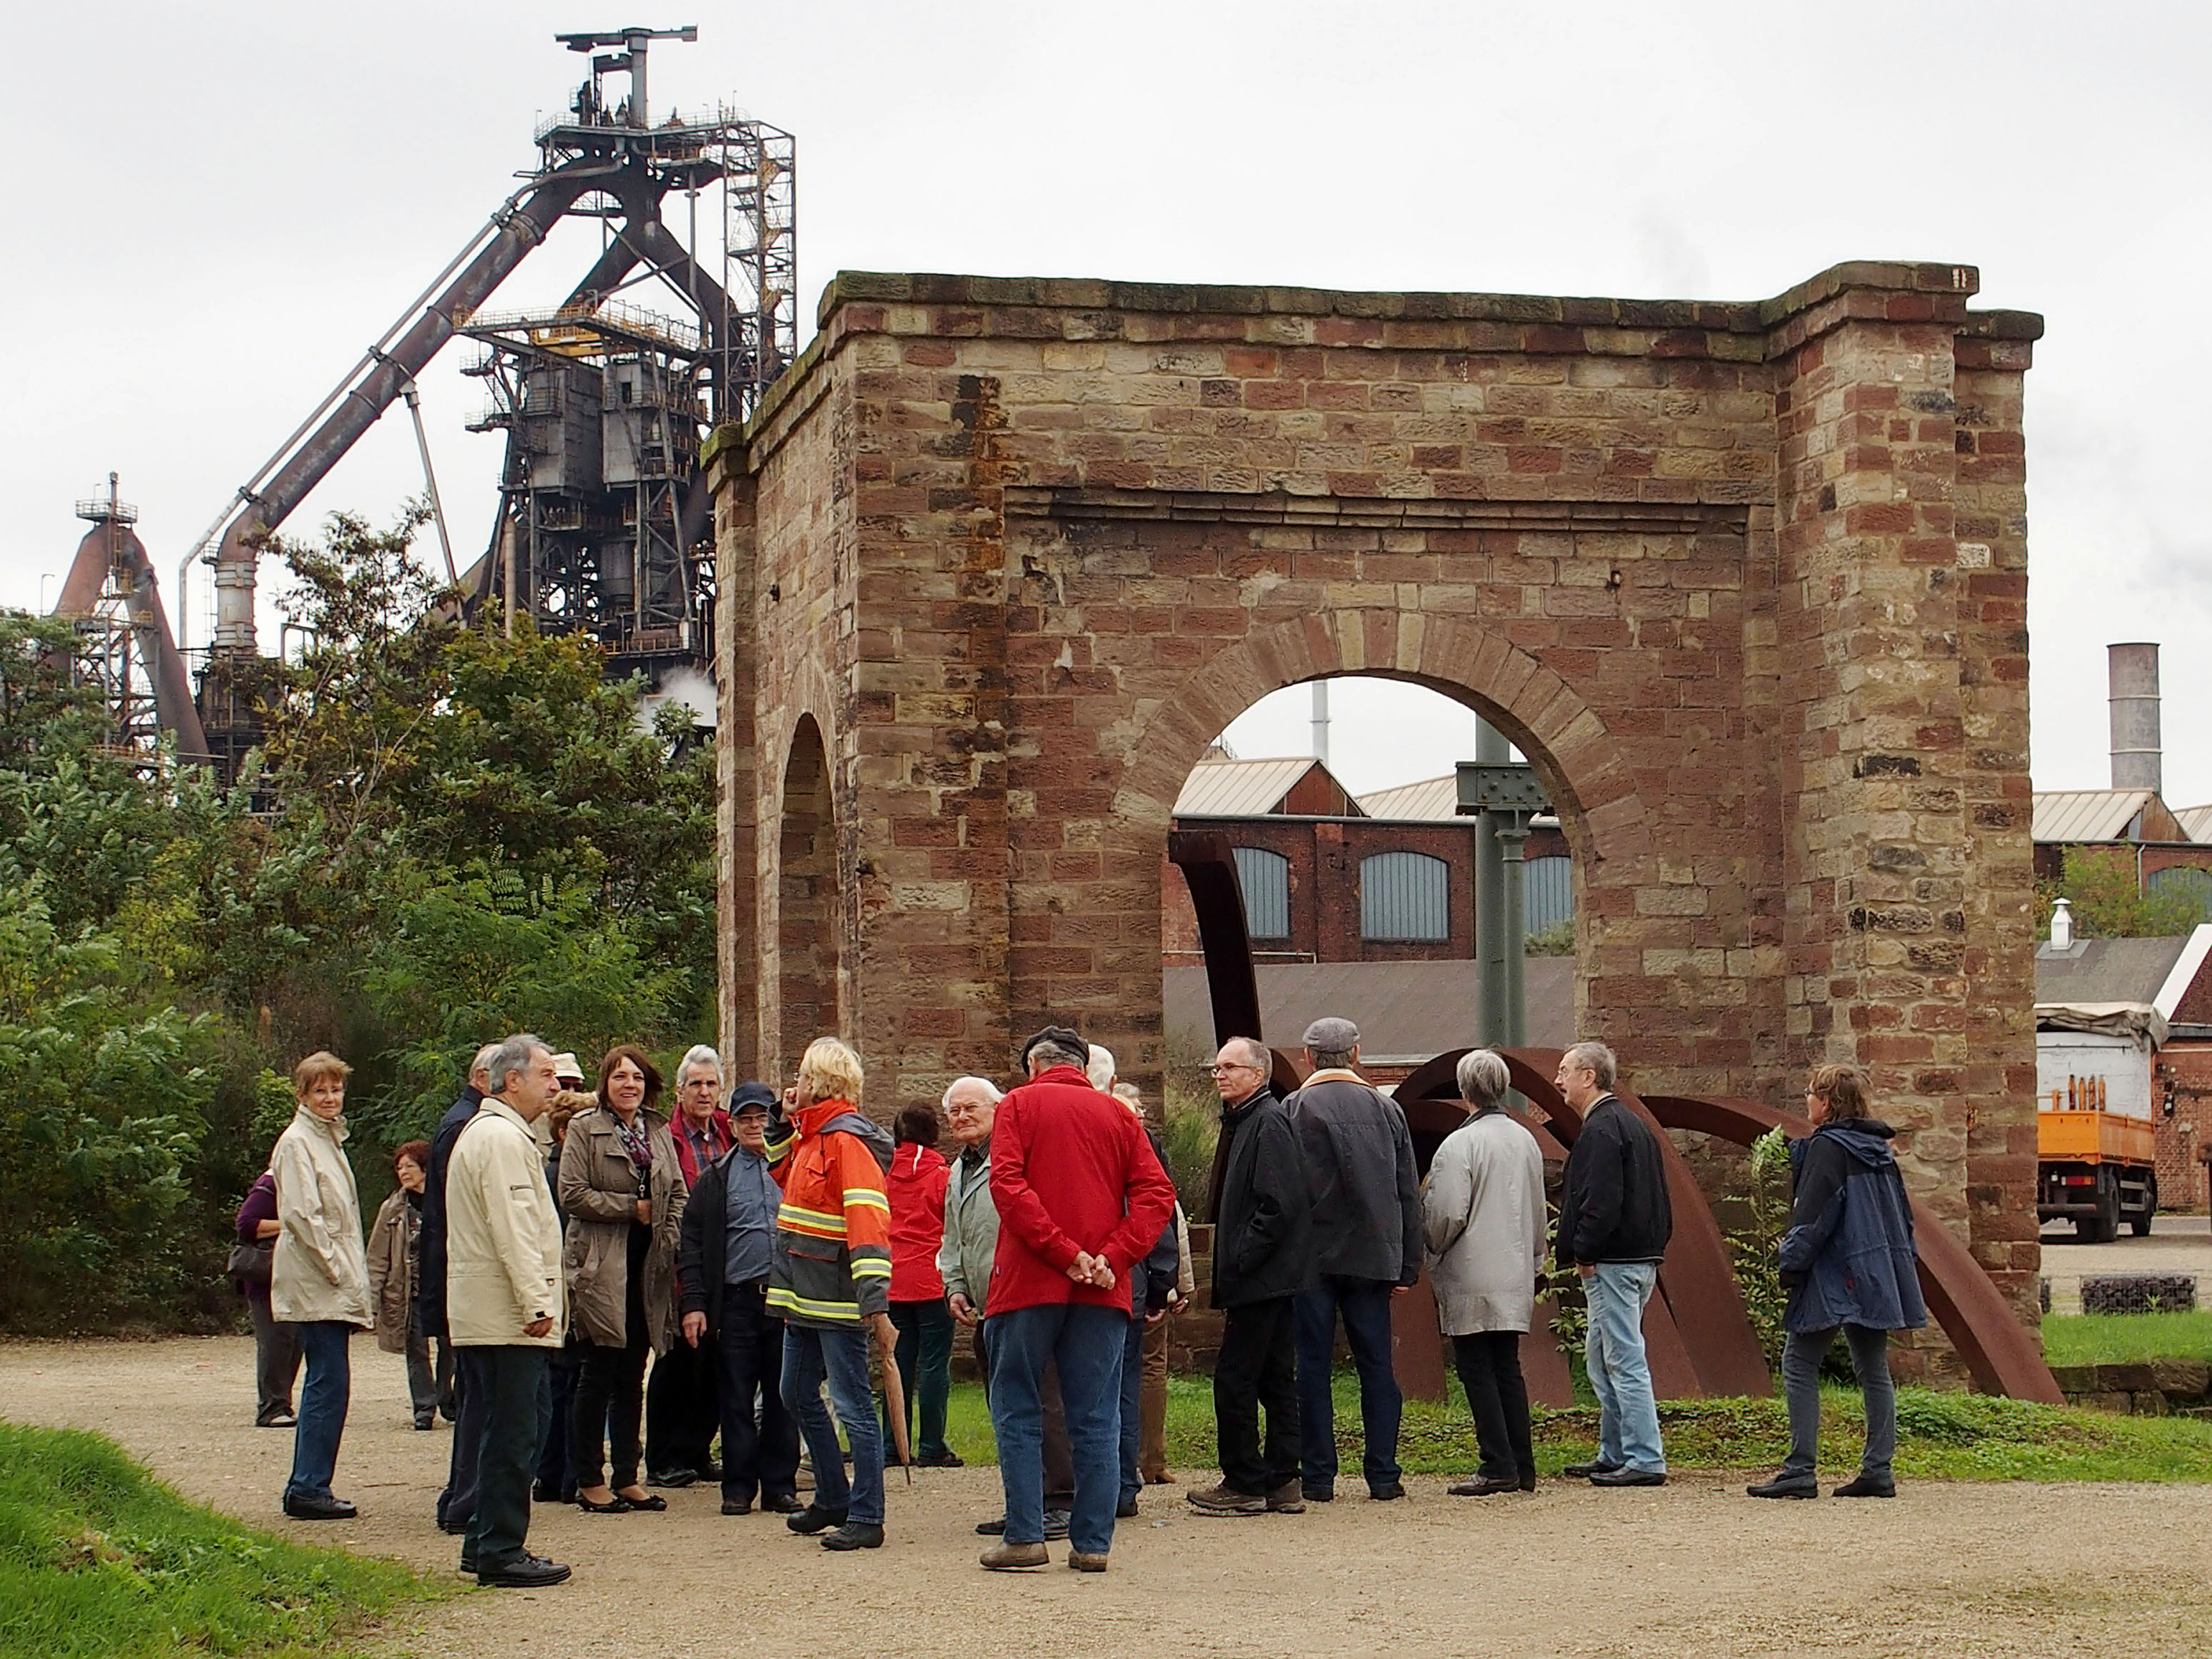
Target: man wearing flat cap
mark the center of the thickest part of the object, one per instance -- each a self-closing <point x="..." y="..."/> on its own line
<point x="1367" y="1248"/>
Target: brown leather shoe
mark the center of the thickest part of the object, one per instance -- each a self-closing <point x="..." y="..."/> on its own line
<point x="1482" y="1486"/>
<point x="1221" y="1499"/>
<point x="1009" y="1558"/>
<point x="1087" y="1561"/>
<point x="1289" y="1498"/>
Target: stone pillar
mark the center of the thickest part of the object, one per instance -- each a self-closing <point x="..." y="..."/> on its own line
<point x="1887" y="732"/>
<point x="736" y="904"/>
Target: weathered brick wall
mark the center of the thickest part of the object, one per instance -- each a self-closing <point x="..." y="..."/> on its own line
<point x="1037" y="542"/>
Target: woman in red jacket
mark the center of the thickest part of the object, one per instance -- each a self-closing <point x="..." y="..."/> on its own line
<point x="916" y="1183"/>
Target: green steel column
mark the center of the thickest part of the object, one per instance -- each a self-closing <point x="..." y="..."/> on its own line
<point x="1512" y="834"/>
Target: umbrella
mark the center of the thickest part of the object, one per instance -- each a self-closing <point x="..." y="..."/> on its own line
<point x="895" y="1405"/>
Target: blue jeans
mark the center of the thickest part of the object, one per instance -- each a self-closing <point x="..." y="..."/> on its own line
<point x="323" y="1397"/>
<point x="1131" y="1408"/>
<point x="812" y="1355"/>
<point x="1628" y="1416"/>
<point x="1086" y="1343"/>
<point x="1365" y="1305"/>
<point x="1801" y="1354"/>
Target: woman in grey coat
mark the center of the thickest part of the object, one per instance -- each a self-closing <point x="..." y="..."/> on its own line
<point x="1482" y="1225"/>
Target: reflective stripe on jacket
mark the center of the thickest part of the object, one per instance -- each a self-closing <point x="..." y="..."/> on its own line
<point x="833" y="1232"/>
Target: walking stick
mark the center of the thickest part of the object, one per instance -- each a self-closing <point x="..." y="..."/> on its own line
<point x="895" y="1402"/>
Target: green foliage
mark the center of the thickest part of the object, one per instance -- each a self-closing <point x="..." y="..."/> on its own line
<point x="2126" y="1339"/>
<point x="2100" y="886"/>
<point x="447" y="834"/>
<point x="1190" y="1127"/>
<point x="1754" y="1244"/>
<point x="1570" y="1311"/>
<point x="486" y="953"/>
<point x="1557" y="940"/>
<point x="98" y="1561"/>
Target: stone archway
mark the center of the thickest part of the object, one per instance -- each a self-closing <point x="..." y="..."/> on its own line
<point x="810" y="923"/>
<point x="1746" y="581"/>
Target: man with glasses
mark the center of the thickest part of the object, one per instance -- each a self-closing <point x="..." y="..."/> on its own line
<point x="1263" y="1259"/>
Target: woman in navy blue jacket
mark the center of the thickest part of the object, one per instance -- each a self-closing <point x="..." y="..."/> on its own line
<point x="1847" y="1263"/>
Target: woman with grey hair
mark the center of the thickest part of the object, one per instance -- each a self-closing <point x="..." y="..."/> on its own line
<point x="1482" y="1226"/>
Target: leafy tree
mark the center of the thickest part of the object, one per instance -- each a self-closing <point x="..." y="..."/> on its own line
<point x="2100" y="886"/>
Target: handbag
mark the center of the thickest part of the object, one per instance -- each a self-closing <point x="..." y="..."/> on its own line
<point x="251" y="1262"/>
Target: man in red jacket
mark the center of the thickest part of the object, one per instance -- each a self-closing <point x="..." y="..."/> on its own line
<point x="1081" y="1197"/>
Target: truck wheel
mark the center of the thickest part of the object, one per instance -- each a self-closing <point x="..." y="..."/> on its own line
<point x="2140" y="1222"/>
<point x="2104" y="1225"/>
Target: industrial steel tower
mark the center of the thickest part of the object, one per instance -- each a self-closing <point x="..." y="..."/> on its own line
<point x="603" y="524"/>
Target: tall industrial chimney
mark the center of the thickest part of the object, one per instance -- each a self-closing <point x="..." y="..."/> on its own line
<point x="2133" y="670"/>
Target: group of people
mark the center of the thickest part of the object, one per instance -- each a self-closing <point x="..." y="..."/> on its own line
<point x="754" y="1247"/>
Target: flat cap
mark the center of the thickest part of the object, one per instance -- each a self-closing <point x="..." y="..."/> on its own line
<point x="1332" y="1035"/>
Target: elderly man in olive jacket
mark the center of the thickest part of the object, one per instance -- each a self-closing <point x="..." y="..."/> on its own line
<point x="1367" y="1247"/>
<point x="504" y="1304"/>
<point x="1263" y="1258"/>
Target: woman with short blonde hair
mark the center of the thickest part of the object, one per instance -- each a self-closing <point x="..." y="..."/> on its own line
<point x="319" y="1276"/>
<point x="830" y="1071"/>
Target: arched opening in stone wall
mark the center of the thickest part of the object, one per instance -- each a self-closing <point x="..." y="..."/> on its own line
<point x="809" y="926"/>
<point x="1360" y="878"/>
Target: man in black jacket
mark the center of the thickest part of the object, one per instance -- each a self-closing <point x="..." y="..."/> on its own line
<point x="457" y="1503"/>
<point x="729" y="1239"/>
<point x="1367" y="1248"/>
<point x="1263" y="1258"/>
<point x="1614" y="1223"/>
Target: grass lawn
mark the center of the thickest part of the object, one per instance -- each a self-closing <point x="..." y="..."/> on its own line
<point x="2125" y="1339"/>
<point x="98" y="1560"/>
<point x="1940" y="1435"/>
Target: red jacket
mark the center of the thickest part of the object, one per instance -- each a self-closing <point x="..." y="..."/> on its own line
<point x="1070" y="1171"/>
<point x="917" y="1193"/>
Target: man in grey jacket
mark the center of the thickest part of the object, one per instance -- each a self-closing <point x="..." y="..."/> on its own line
<point x="1367" y="1249"/>
<point x="964" y="1261"/>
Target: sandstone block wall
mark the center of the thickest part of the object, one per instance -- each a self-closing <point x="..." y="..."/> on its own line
<point x="1746" y="582"/>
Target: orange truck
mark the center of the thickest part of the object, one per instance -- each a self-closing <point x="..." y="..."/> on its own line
<point x="2096" y="1140"/>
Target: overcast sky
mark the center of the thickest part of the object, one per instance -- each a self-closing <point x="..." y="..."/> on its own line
<point x="217" y="207"/>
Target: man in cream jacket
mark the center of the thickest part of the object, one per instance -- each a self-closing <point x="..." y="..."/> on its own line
<point x="504" y="1303"/>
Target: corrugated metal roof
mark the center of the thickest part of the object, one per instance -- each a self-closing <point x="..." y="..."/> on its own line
<point x="1239" y="789"/>
<point x="2106" y="970"/>
<point x="1427" y="801"/>
<point x="1404" y="1010"/>
<point x="2195" y="822"/>
<point x="2086" y="814"/>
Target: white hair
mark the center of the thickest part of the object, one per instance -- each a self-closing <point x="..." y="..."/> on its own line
<point x="1594" y="1057"/>
<point x="1482" y="1076"/>
<point x="1101" y="1070"/>
<point x="700" y="1053"/>
<point x="514" y="1055"/>
<point x="990" y="1089"/>
<point x="482" y="1062"/>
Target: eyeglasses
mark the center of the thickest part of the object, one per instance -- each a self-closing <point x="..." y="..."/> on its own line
<point x="1220" y="1071"/>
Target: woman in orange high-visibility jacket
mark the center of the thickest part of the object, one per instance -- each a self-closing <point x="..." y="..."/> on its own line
<point x="830" y="1284"/>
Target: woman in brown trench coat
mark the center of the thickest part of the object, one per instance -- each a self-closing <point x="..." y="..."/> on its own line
<point x="623" y="1192"/>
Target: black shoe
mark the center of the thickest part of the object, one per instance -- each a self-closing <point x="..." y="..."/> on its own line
<point x="736" y="1506"/>
<point x="1625" y="1477"/>
<point x="944" y="1460"/>
<point x="452" y="1529"/>
<point x="1056" y="1525"/>
<point x="277" y="1420"/>
<point x="1785" y="1486"/>
<point x="1528" y="1483"/>
<point x="812" y="1519"/>
<point x="616" y="1505"/>
<point x="468" y="1566"/>
<point x="1127" y="1509"/>
<point x="1584" y="1471"/>
<point x="709" y="1473"/>
<point x="1482" y="1485"/>
<point x="1861" y="1487"/>
<point x="781" y="1503"/>
<point x="992" y="1529"/>
<point x="525" y="1572"/>
<point x="1389" y="1490"/>
<point x="320" y="1509"/>
<point x="544" y="1491"/>
<point x="1319" y="1493"/>
<point x="673" y="1478"/>
<point x="854" y="1536"/>
<point x="430" y="1422"/>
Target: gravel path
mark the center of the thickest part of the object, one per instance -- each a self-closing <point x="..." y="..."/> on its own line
<point x="1979" y="1571"/>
